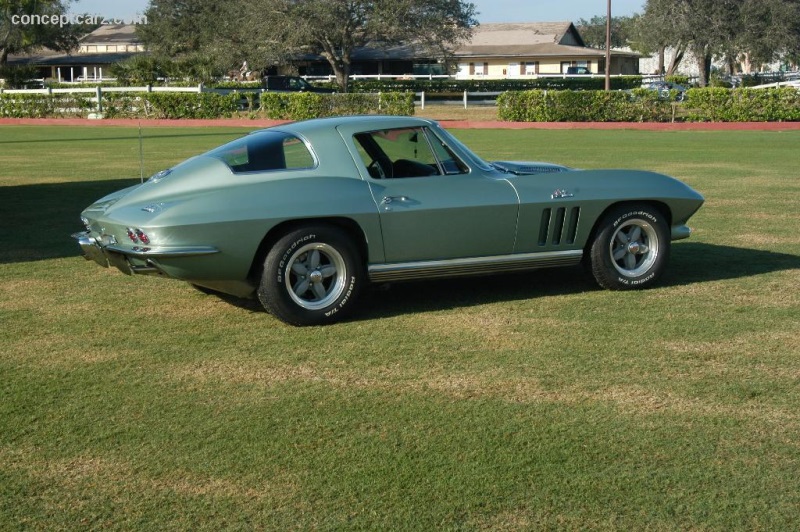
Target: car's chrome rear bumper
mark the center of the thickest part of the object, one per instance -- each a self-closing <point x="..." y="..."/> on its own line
<point x="91" y="249"/>
<point x="139" y="260"/>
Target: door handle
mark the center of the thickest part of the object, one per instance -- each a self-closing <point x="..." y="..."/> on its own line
<point x="392" y="199"/>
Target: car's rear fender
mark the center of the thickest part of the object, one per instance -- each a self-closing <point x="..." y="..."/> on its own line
<point x="348" y="225"/>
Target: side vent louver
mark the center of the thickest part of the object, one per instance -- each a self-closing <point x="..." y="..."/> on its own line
<point x="559" y="227"/>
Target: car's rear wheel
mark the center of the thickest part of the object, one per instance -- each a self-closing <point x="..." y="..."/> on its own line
<point x="631" y="247"/>
<point x="311" y="276"/>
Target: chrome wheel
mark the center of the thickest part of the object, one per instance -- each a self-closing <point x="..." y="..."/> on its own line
<point x="630" y="248"/>
<point x="634" y="247"/>
<point x="315" y="276"/>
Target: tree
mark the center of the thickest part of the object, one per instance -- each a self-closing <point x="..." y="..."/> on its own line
<point x="594" y="31"/>
<point x="334" y="29"/>
<point x="265" y="32"/>
<point x="754" y="30"/>
<point x="27" y="24"/>
<point x="770" y="29"/>
<point x="652" y="33"/>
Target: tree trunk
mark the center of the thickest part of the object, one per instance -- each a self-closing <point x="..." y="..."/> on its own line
<point x="340" y="65"/>
<point x="661" y="54"/>
<point x="704" y="65"/>
<point x="341" y="68"/>
<point x="4" y="57"/>
<point x="676" y="60"/>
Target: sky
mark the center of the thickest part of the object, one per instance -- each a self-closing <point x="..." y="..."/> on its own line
<point x="488" y="10"/>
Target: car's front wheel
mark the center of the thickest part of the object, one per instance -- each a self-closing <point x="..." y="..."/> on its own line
<point x="311" y="276"/>
<point x="631" y="247"/>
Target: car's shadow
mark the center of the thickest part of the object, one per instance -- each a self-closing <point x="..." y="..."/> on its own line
<point x="39" y="219"/>
<point x="690" y="263"/>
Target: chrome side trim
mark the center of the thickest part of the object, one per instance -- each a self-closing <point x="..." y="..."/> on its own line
<point x="407" y="271"/>
<point x="162" y="251"/>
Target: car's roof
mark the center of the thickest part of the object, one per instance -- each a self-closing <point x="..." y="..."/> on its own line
<point x="369" y="122"/>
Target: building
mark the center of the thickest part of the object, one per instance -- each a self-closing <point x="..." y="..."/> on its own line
<point x="495" y="51"/>
<point x="96" y="52"/>
<point x="518" y="50"/>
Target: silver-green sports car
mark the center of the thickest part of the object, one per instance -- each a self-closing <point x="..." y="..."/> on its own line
<point x="304" y="215"/>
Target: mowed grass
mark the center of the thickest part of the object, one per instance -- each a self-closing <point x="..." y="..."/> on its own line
<point x="509" y="403"/>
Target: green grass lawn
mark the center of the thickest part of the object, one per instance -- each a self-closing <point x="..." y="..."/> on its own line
<point x="516" y="402"/>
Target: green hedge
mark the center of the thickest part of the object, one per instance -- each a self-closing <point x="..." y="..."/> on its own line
<point x="45" y="105"/>
<point x="742" y="105"/>
<point x="451" y="86"/>
<point x="583" y="106"/>
<point x="304" y="105"/>
<point x="169" y="105"/>
<point x="640" y="105"/>
<point x="285" y="106"/>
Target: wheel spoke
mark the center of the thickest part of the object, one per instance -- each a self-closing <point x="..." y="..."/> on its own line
<point x="630" y="261"/>
<point x="301" y="287"/>
<point x="328" y="271"/>
<point x="622" y="238"/>
<point x="635" y="234"/>
<point x="319" y="290"/>
<point x="313" y="260"/>
<point x="620" y="252"/>
<point x="299" y="268"/>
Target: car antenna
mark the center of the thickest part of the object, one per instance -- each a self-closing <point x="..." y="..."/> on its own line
<point x="141" y="154"/>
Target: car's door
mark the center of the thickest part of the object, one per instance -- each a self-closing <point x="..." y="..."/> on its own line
<point x="432" y="205"/>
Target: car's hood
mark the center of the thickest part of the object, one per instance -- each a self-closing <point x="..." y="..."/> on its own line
<point x="528" y="168"/>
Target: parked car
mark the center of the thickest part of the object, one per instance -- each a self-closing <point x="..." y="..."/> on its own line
<point x="304" y="215"/>
<point x="665" y="88"/>
<point x="291" y="84"/>
<point x="578" y="70"/>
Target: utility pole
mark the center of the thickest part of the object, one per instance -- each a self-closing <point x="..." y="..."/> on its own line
<point x="608" y="47"/>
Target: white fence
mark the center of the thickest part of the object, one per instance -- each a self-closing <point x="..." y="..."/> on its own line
<point x="468" y="98"/>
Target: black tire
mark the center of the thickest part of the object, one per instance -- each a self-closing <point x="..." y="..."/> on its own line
<point x="631" y="248"/>
<point x="311" y="276"/>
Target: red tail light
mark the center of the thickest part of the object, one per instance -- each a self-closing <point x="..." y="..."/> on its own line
<point x="137" y="235"/>
<point x="143" y="238"/>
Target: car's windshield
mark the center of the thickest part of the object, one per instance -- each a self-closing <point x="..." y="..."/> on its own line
<point x="263" y="151"/>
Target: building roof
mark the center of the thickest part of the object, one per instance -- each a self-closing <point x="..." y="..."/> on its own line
<point x="108" y="35"/>
<point x="112" y="34"/>
<point x="528" y="39"/>
<point x="49" y="58"/>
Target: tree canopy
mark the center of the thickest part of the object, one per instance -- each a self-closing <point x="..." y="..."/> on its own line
<point x="21" y="29"/>
<point x="593" y="31"/>
<point x="267" y="32"/>
<point x="748" y="32"/>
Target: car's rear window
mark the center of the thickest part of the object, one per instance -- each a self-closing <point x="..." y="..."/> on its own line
<point x="264" y="151"/>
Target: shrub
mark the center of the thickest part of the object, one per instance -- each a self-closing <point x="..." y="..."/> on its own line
<point x="45" y="105"/>
<point x="742" y="105"/>
<point x="305" y="105"/>
<point x="453" y="87"/>
<point x="16" y="77"/>
<point x="169" y="105"/>
<point x="583" y="106"/>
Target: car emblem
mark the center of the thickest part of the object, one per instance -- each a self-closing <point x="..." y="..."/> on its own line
<point x="561" y="193"/>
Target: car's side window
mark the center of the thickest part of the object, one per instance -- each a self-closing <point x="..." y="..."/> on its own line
<point x="405" y="152"/>
<point x="265" y="151"/>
